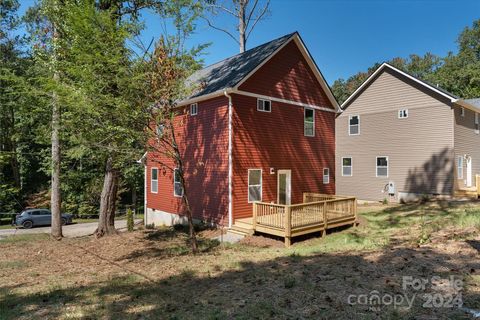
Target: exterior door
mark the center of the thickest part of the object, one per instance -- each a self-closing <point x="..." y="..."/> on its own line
<point x="284" y="187"/>
<point x="469" y="171"/>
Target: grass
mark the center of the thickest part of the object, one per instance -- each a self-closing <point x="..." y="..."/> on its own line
<point x="151" y="274"/>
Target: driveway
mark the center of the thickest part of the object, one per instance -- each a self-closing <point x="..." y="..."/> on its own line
<point x="69" y="231"/>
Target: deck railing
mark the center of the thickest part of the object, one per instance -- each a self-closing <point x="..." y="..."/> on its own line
<point x="291" y="220"/>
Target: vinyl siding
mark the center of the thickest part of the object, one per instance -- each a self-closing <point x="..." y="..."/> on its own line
<point x="466" y="142"/>
<point x="288" y="76"/>
<point x="264" y="140"/>
<point x="204" y="144"/>
<point x="419" y="148"/>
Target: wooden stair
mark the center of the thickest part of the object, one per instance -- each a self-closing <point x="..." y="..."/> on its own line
<point x="470" y="193"/>
<point x="242" y="227"/>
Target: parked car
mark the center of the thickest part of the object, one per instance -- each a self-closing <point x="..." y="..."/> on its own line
<point x="38" y="217"/>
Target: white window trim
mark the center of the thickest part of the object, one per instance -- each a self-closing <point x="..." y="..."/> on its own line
<point x="351" y="166"/>
<point x="194" y="106"/>
<point x="462" y="112"/>
<point x="400" y="114"/>
<point x="477" y="123"/>
<point x="349" y="118"/>
<point x="326" y="175"/>
<point x="264" y="100"/>
<point x="376" y="167"/>
<point x="152" y="180"/>
<point x="313" y="134"/>
<point x="261" y="185"/>
<point x="460" y="168"/>
<point x="174" y="182"/>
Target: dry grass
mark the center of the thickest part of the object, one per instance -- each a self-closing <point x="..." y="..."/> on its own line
<point x="151" y="275"/>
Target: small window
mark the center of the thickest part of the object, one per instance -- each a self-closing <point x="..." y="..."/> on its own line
<point x="354" y="125"/>
<point x="477" y="125"/>
<point x="347" y="167"/>
<point x="309" y="122"/>
<point x="254" y="185"/>
<point x="264" y="105"/>
<point x="193" y="109"/>
<point x="382" y="166"/>
<point x="403" y="114"/>
<point x="177" y="183"/>
<point x="160" y="130"/>
<point x="326" y="175"/>
<point x="462" y="112"/>
<point x="154" y="181"/>
<point x="460" y="167"/>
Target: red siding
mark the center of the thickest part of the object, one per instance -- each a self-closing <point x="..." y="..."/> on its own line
<point x="288" y="76"/>
<point x="204" y="139"/>
<point x="275" y="139"/>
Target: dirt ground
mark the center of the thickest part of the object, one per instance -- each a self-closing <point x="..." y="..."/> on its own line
<point x="150" y="274"/>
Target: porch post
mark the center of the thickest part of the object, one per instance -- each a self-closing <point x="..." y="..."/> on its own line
<point x="254" y="220"/>
<point x="324" y="232"/>
<point x="288" y="226"/>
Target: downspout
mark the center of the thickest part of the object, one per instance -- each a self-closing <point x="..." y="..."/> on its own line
<point x="230" y="171"/>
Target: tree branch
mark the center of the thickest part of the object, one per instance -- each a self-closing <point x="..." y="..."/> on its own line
<point x="247" y="22"/>
<point x="220" y="29"/>
<point x="265" y="9"/>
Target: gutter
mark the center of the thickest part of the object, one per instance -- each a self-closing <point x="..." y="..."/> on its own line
<point x="227" y="92"/>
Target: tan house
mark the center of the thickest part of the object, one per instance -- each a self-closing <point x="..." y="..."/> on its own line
<point x="399" y="138"/>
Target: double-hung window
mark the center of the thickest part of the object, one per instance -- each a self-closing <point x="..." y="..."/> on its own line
<point x="326" y="175"/>
<point x="460" y="167"/>
<point x="477" y="124"/>
<point x="354" y="125"/>
<point x="264" y="105"/>
<point x="177" y="183"/>
<point x="254" y="185"/>
<point x="382" y="166"/>
<point x="154" y="181"/>
<point x="347" y="167"/>
<point x="309" y="122"/>
<point x="193" y="109"/>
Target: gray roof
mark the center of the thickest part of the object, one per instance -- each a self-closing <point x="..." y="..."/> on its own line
<point x="474" y="102"/>
<point x="229" y="72"/>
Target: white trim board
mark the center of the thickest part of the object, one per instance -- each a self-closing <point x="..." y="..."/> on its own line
<point x="380" y="69"/>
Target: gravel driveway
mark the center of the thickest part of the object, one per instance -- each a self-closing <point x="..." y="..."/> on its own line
<point x="69" y="231"/>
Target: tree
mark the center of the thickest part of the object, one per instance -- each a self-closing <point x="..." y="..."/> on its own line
<point x="247" y="13"/>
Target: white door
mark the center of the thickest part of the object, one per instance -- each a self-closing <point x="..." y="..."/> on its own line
<point x="284" y="187"/>
<point x="469" y="171"/>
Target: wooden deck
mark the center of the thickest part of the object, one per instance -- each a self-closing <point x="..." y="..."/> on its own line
<point x="319" y="212"/>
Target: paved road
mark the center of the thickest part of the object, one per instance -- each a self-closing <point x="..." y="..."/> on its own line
<point x="69" y="231"/>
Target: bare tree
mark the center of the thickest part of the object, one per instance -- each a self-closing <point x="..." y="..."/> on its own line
<point x="247" y="12"/>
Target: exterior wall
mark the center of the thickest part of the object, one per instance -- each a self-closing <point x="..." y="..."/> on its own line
<point x="264" y="140"/>
<point x="419" y="148"/>
<point x="288" y="76"/>
<point x="204" y="142"/>
<point x="467" y="142"/>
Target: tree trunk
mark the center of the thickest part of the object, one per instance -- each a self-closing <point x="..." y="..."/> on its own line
<point x="56" y="200"/>
<point x="108" y="201"/>
<point x="242" y="24"/>
<point x="134" y="199"/>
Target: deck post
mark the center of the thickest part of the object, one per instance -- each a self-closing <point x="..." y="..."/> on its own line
<point x="288" y="226"/>
<point x="355" y="223"/>
<point x="254" y="220"/>
<point x="324" y="232"/>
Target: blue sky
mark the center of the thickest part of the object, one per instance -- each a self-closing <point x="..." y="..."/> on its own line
<point x="345" y="37"/>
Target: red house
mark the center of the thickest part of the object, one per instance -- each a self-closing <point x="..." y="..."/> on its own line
<point x="262" y="128"/>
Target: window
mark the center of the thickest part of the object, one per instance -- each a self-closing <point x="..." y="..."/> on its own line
<point x="460" y="167"/>
<point x="462" y="112"/>
<point x="326" y="175"/>
<point x="402" y="114"/>
<point x="193" y="109"/>
<point x="254" y="185"/>
<point x="382" y="166"/>
<point x="309" y="122"/>
<point x="264" y="105"/>
<point x="160" y="130"/>
<point x="354" y="125"/>
<point x="177" y="183"/>
<point x="154" y="181"/>
<point x="477" y="125"/>
<point x="347" y="167"/>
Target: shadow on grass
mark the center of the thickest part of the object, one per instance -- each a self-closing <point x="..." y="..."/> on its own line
<point x="288" y="287"/>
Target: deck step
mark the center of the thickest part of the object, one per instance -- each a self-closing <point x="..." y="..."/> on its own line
<point x="241" y="231"/>
<point x="243" y="224"/>
<point x="466" y="194"/>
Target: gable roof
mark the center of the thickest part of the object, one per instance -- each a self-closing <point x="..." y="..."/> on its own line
<point x="233" y="71"/>
<point x="384" y="66"/>
<point x="474" y="103"/>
